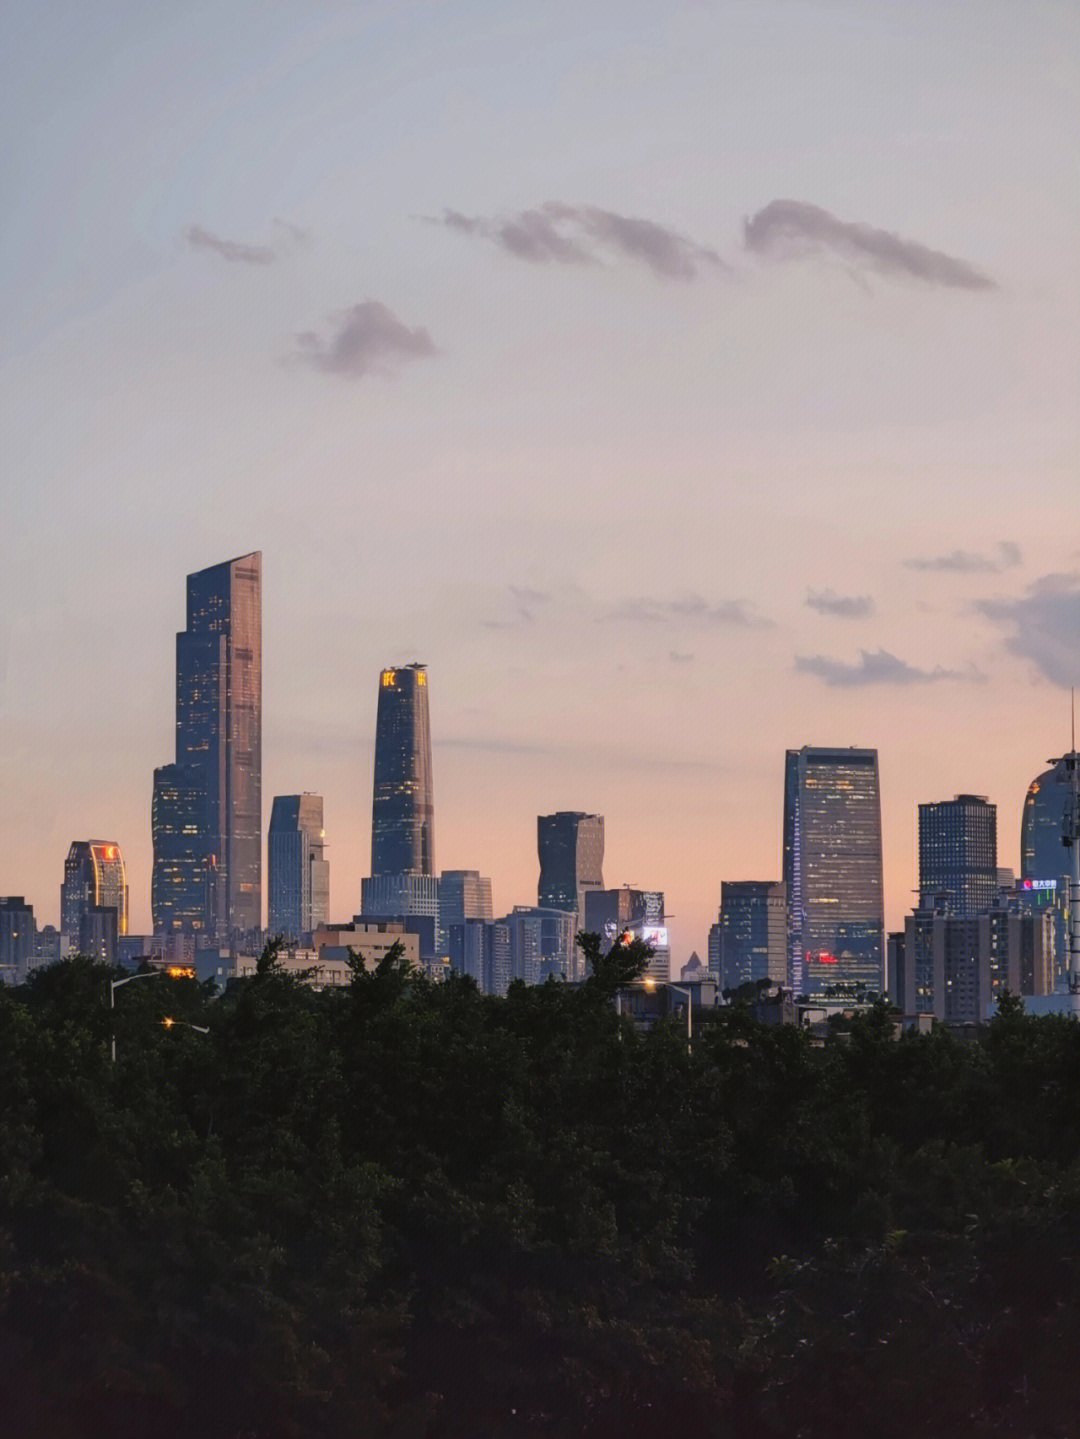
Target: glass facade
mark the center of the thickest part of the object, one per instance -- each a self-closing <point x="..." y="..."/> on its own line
<point x="833" y="869"/>
<point x="753" y="932"/>
<point x="570" y="845"/>
<point x="208" y="806"/>
<point x="958" y="854"/>
<point x="94" y="876"/>
<point x="403" y="809"/>
<point x="1042" y="853"/>
<point x="299" y="876"/>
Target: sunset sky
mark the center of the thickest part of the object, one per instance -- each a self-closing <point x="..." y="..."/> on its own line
<point x="680" y="382"/>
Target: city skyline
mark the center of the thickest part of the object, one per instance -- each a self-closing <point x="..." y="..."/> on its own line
<point x="681" y="387"/>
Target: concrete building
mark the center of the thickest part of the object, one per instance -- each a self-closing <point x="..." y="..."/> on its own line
<point x="958" y="853"/>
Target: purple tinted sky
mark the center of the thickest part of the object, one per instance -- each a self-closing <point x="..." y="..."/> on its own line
<point x="356" y="285"/>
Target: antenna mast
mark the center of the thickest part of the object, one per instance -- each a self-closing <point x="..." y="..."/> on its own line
<point x="1071" y="840"/>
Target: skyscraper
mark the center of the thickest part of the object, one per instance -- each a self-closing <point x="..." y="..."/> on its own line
<point x="299" y="875"/>
<point x="94" y="877"/>
<point x="208" y="805"/>
<point x="464" y="894"/>
<point x="402" y="880"/>
<point x="753" y="932"/>
<point x="833" y="868"/>
<point x="1043" y="855"/>
<point x="403" y="808"/>
<point x="571" y="849"/>
<point x="958" y="854"/>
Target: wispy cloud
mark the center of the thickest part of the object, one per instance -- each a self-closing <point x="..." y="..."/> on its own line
<point x="963" y="562"/>
<point x="678" y="658"/>
<point x="692" y="607"/>
<point x="789" y="229"/>
<point x="367" y="339"/>
<point x="585" y="235"/>
<point x="873" y="668"/>
<point x="1045" y="625"/>
<point x="526" y="603"/>
<point x="848" y="607"/>
<point x="232" y="250"/>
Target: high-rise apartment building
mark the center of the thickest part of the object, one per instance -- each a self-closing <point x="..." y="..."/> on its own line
<point x="94" y="877"/>
<point x="571" y="849"/>
<point x="299" y="876"/>
<point x="207" y="815"/>
<point x="833" y="868"/>
<point x="753" y="932"/>
<point x="403" y="807"/>
<point x="958" y="853"/>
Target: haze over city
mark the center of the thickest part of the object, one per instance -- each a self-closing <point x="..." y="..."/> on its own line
<point x="679" y="385"/>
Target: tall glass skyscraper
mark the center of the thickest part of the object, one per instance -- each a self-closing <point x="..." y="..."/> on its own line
<point x="94" y="878"/>
<point x="403" y="808"/>
<point x="299" y="875"/>
<point x="958" y="854"/>
<point x="207" y="814"/>
<point x="570" y="845"/>
<point x="833" y="868"/>
<point x="1043" y="856"/>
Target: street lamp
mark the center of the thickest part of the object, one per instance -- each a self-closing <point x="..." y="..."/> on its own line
<point x="199" y="1028"/>
<point x="114" y="985"/>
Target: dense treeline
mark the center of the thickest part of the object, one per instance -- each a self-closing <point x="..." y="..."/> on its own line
<point x="407" y="1209"/>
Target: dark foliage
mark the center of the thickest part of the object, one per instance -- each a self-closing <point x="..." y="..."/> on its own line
<point x="405" y="1209"/>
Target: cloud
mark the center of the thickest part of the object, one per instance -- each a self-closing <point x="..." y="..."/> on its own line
<point x="692" y="607"/>
<point x="231" y="250"/>
<point x="583" y="234"/>
<point x="963" y="562"/>
<point x="677" y="658"/>
<point x="788" y="229"/>
<point x="848" y="607"/>
<point x="527" y="602"/>
<point x="880" y="668"/>
<point x="369" y="339"/>
<point x="1045" y="625"/>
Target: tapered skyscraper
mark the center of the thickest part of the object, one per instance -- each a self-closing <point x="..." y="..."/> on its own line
<point x="833" y="868"/>
<point x="208" y="805"/>
<point x="402" y="811"/>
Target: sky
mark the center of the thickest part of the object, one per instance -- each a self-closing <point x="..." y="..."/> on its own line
<point x="681" y="383"/>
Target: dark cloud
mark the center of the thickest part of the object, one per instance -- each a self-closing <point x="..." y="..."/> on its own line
<point x="693" y="608"/>
<point x="848" y="607"/>
<point x="1045" y="626"/>
<point x="368" y="339"/>
<point x="879" y="668"/>
<point x="963" y="562"/>
<point x="582" y="234"/>
<point x="792" y="228"/>
<point x="231" y="250"/>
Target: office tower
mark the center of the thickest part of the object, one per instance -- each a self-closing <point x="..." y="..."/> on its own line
<point x="93" y="876"/>
<point x="833" y="868"/>
<point x="464" y="894"/>
<point x="1043" y="854"/>
<point x="402" y="811"/>
<point x="542" y="943"/>
<point x="571" y="850"/>
<point x="99" y="932"/>
<point x="753" y="932"/>
<point x="47" y="944"/>
<point x="958" y="853"/>
<point x="299" y="876"/>
<point x="207" y="813"/>
<point x="713" y="950"/>
<point x="17" y="936"/>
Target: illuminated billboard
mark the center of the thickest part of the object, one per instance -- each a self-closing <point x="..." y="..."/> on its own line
<point x="656" y="936"/>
